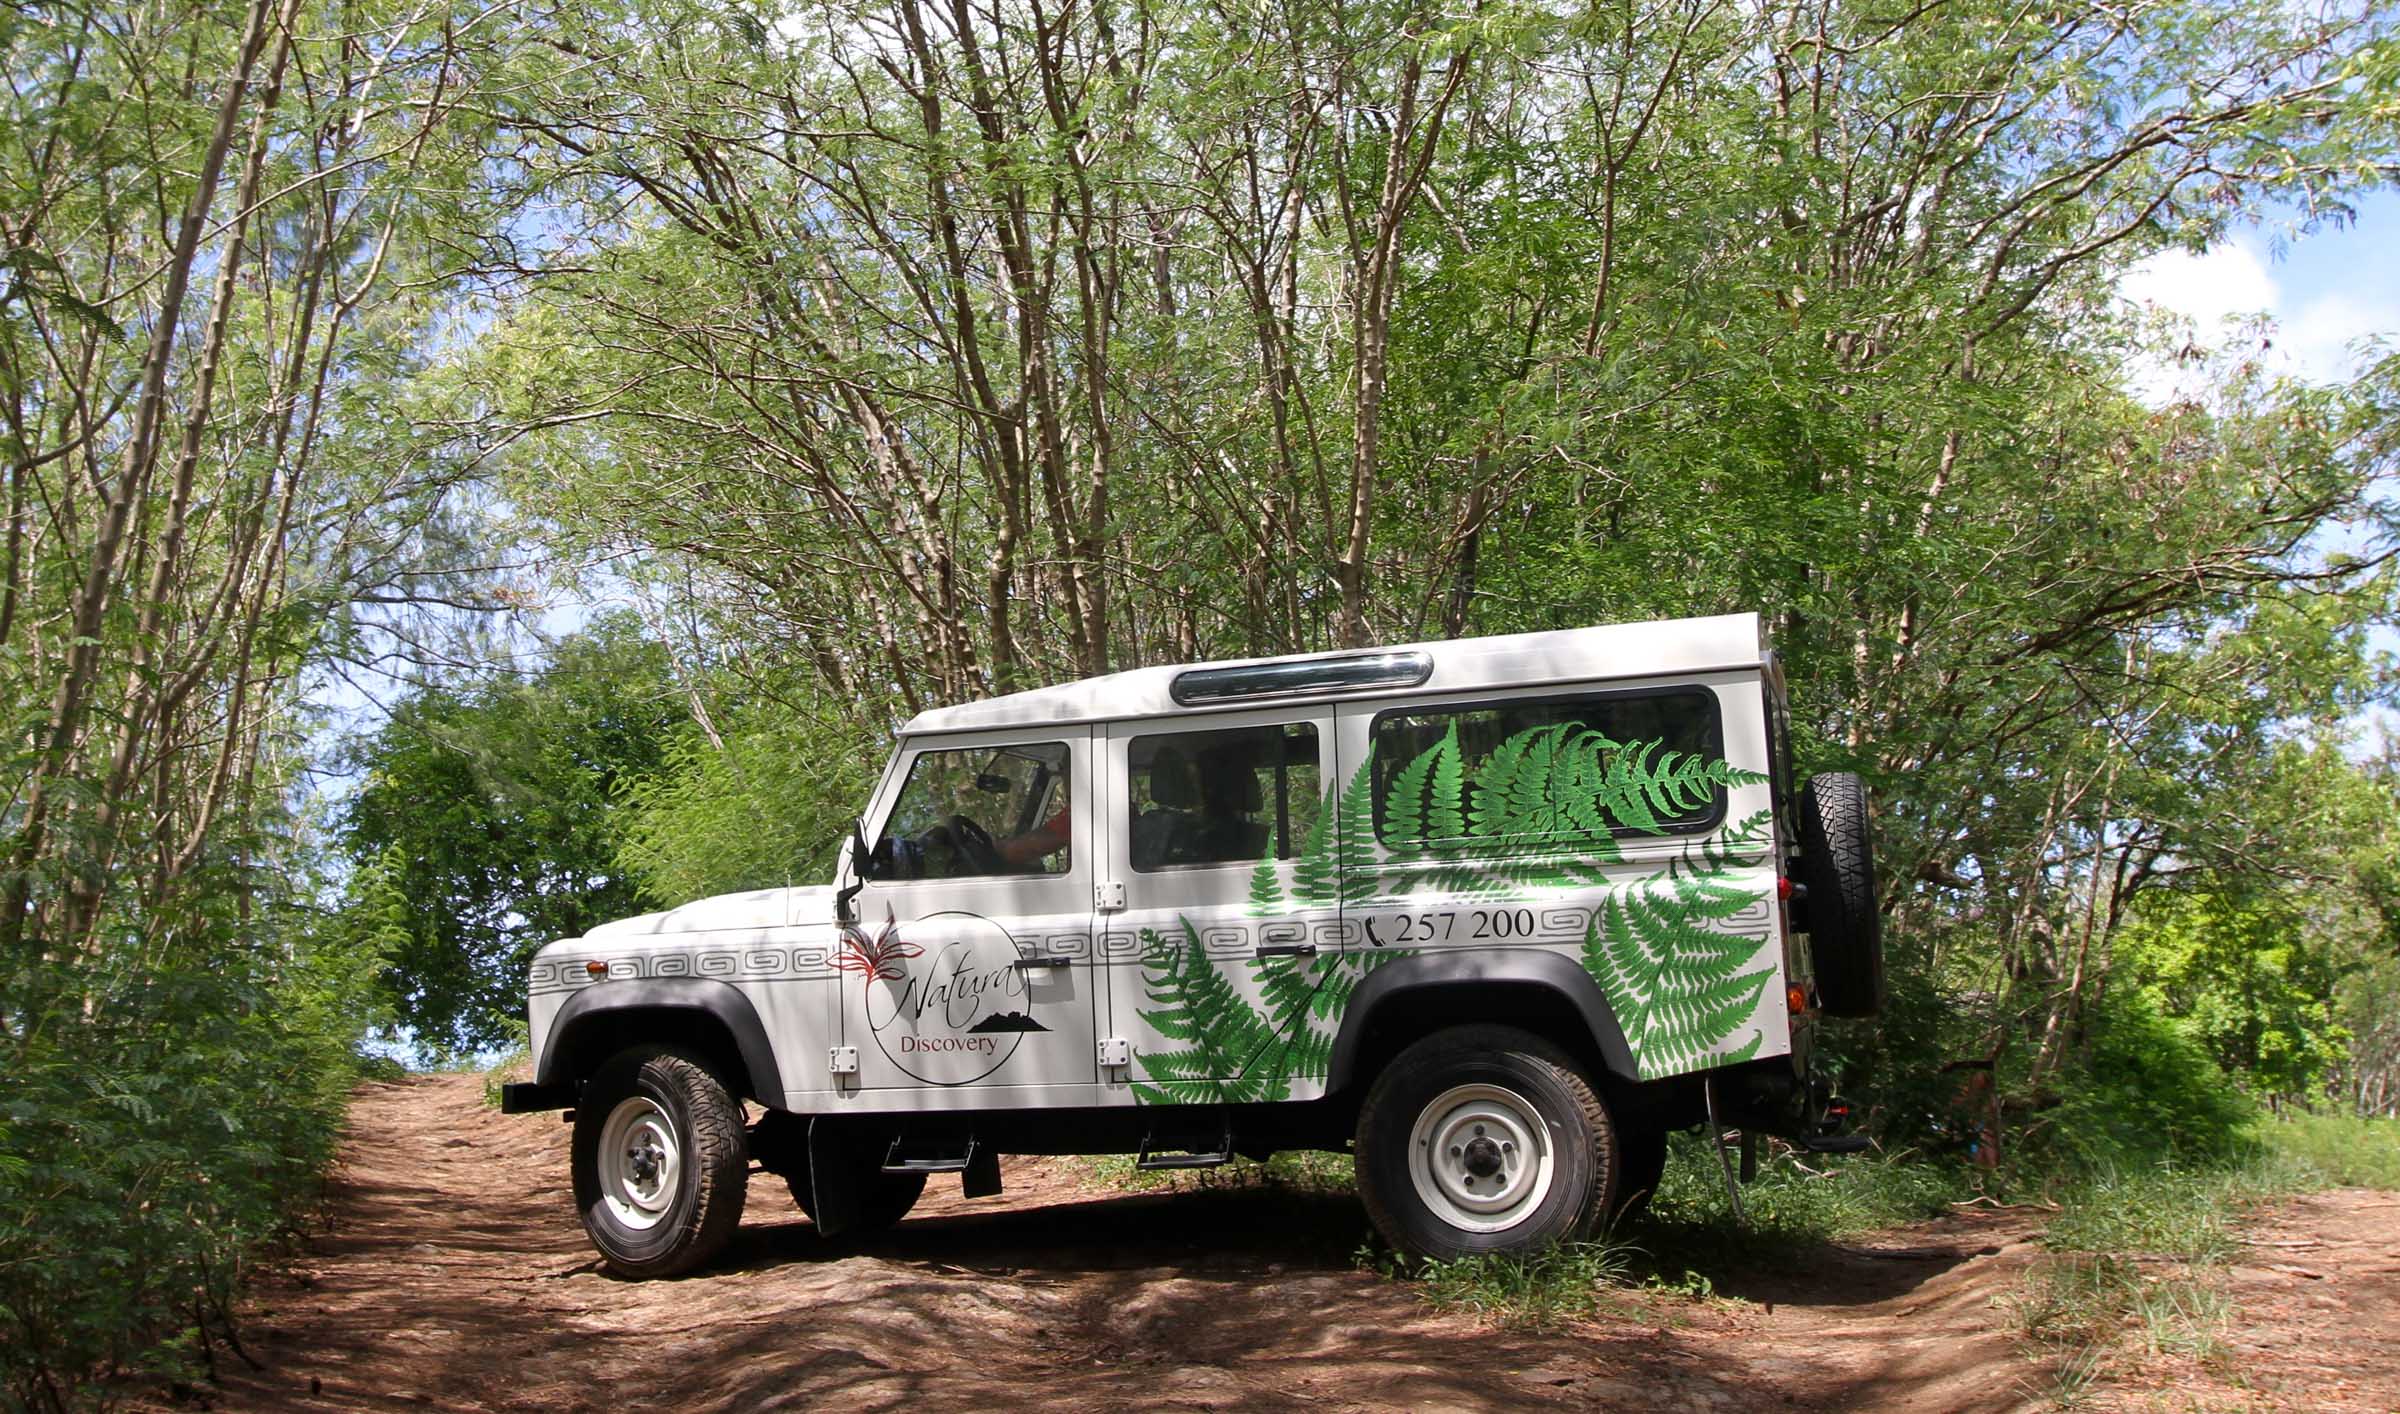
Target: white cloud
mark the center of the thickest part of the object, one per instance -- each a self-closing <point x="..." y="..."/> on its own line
<point x="2232" y="282"/>
<point x="2224" y="282"/>
<point x="2321" y="337"/>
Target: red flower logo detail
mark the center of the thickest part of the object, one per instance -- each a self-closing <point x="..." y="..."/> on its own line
<point x="879" y="959"/>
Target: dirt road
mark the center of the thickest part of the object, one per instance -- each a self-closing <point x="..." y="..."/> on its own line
<point x="455" y="1276"/>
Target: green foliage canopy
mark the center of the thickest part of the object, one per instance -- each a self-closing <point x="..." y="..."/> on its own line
<point x="486" y="824"/>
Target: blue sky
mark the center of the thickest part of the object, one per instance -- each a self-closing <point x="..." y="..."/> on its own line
<point x="2326" y="291"/>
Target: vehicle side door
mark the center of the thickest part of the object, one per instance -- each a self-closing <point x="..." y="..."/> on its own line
<point x="967" y="979"/>
<point x="1223" y="836"/>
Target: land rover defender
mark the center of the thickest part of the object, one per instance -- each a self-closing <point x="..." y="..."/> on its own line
<point x="1492" y="915"/>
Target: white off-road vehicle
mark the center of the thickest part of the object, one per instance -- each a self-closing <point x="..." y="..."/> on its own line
<point x="1492" y="915"/>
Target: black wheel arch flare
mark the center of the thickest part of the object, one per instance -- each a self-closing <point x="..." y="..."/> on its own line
<point x="617" y="1005"/>
<point x="1477" y="978"/>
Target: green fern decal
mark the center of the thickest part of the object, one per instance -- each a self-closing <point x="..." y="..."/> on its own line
<point x="1195" y="1003"/>
<point x="1240" y="1053"/>
<point x="1316" y="874"/>
<point x="1538" y="788"/>
<point x="1422" y="803"/>
<point x="1354" y="834"/>
<point x="1237" y="1052"/>
<point x="1677" y="985"/>
<point x="1326" y="871"/>
<point x="1266" y="887"/>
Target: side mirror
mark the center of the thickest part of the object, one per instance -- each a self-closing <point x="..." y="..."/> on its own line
<point x="861" y="861"/>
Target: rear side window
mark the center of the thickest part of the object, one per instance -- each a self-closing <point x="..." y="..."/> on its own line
<point x="1220" y="797"/>
<point x="1552" y="771"/>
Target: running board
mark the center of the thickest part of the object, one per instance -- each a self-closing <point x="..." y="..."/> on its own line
<point x="1193" y="1158"/>
<point x="938" y="1163"/>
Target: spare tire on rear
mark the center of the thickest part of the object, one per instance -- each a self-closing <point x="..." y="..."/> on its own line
<point x="1837" y="867"/>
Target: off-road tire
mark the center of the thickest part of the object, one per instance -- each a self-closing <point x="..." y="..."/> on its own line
<point x="710" y="1159"/>
<point x="1837" y="866"/>
<point x="1644" y="1147"/>
<point x="1407" y="1105"/>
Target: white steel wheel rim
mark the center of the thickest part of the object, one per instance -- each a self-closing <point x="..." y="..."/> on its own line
<point x="1480" y="1158"/>
<point x="641" y="1163"/>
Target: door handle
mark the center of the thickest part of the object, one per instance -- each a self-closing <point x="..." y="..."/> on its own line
<point x="1030" y="964"/>
<point x="1267" y="950"/>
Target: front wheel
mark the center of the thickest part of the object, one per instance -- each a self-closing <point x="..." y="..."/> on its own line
<point x="1485" y="1139"/>
<point x="660" y="1162"/>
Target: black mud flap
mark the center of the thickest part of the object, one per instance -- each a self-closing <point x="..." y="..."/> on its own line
<point x="982" y="1177"/>
<point x="835" y="1177"/>
<point x="518" y="1098"/>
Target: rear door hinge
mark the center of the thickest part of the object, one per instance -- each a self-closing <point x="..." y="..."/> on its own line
<point x="1116" y="1053"/>
<point x="1109" y="896"/>
<point x="842" y="1060"/>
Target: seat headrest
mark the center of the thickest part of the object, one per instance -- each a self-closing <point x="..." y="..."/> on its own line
<point x="1172" y="782"/>
<point x="1229" y="779"/>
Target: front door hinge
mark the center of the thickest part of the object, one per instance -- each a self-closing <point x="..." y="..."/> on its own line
<point x="842" y="1060"/>
<point x="1116" y="1053"/>
<point x="1109" y="897"/>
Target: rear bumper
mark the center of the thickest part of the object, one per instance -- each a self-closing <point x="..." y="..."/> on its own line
<point x="518" y="1098"/>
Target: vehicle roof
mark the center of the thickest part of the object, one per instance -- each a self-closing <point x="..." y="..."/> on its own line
<point x="1638" y="650"/>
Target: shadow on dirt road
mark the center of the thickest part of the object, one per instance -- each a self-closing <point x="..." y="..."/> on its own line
<point x="455" y="1276"/>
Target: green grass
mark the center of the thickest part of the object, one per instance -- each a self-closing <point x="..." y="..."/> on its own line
<point x="1795" y="1203"/>
<point x="2191" y="1212"/>
<point x="1538" y="1291"/>
<point x="2144" y="1249"/>
<point x="2160" y="1212"/>
<point x="2334" y="1151"/>
<point x="1305" y="1171"/>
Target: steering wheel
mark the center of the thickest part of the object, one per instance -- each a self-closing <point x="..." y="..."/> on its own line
<point x="974" y="844"/>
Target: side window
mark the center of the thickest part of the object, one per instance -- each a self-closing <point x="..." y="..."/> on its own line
<point x="1551" y="771"/>
<point x="977" y="812"/>
<point x="1221" y="797"/>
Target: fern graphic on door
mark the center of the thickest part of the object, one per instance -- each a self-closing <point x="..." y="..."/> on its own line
<point x="1682" y="988"/>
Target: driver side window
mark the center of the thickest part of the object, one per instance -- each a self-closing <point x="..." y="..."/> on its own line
<point x="980" y="812"/>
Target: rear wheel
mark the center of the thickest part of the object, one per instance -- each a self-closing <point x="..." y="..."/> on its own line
<point x="1485" y="1139"/>
<point x="660" y="1163"/>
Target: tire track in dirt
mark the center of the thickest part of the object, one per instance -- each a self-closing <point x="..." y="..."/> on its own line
<point x="454" y="1275"/>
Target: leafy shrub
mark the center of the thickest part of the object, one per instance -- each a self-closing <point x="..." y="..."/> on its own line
<point x="162" y="1119"/>
<point x="2145" y="1091"/>
<point x="766" y="810"/>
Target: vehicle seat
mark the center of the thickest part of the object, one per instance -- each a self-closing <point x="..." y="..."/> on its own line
<point x="1174" y="791"/>
<point x="1226" y="829"/>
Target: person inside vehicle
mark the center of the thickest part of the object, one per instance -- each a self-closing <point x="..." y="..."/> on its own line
<point x="1027" y="850"/>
